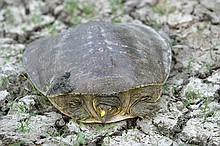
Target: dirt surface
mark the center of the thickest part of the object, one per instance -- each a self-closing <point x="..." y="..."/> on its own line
<point x="189" y="107"/>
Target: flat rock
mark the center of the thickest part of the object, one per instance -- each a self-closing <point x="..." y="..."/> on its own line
<point x="201" y="89"/>
<point x="179" y="19"/>
<point x="138" y="138"/>
<point x="195" y="131"/>
<point x="215" y="77"/>
<point x="3" y="95"/>
<point x="27" y="127"/>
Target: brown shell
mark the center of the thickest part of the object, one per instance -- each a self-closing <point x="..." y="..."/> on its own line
<point x="98" y="58"/>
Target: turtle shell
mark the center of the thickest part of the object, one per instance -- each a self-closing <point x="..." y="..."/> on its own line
<point x="98" y="58"/>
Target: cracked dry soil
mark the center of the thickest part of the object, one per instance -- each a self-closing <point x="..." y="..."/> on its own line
<point x="189" y="111"/>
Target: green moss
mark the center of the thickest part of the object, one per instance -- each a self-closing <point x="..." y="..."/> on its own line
<point x="116" y="20"/>
<point x="80" y="140"/>
<point x="52" y="29"/>
<point x="87" y="8"/>
<point x="206" y="105"/>
<point x="115" y="5"/>
<point x="163" y="8"/>
<point x="71" y="6"/>
<point x="18" y="143"/>
<point x="117" y="10"/>
<point x="191" y="96"/>
<point x="78" y="10"/>
<point x="36" y="18"/>
<point x="24" y="125"/>
<point x="75" y="20"/>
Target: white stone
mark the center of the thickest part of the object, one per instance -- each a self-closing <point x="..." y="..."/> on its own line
<point x="201" y="89"/>
<point x="215" y="77"/>
<point x="179" y="18"/>
<point x="3" y="95"/>
<point x="138" y="138"/>
<point x="196" y="130"/>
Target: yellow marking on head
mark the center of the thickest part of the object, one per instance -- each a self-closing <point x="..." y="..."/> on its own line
<point x="102" y="113"/>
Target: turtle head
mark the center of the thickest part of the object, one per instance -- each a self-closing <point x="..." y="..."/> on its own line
<point x="106" y="107"/>
<point x="106" y="112"/>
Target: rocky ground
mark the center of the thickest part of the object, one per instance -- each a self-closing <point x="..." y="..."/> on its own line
<point x="189" y="107"/>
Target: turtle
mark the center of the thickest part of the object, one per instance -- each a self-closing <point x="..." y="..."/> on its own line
<point x="99" y="71"/>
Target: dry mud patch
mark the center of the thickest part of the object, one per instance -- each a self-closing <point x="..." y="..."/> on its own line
<point x="189" y="108"/>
